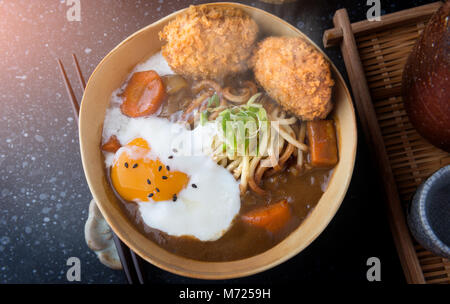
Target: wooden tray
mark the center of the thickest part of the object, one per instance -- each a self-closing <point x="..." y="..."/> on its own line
<point x="374" y="54"/>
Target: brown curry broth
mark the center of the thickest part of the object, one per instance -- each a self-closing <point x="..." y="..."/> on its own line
<point x="241" y="240"/>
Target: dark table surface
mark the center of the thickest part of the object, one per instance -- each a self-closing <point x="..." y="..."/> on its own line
<point x="44" y="197"/>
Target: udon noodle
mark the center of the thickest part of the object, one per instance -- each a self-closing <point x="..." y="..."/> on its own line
<point x="285" y="136"/>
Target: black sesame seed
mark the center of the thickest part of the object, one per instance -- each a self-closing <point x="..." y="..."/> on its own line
<point x="148" y="181"/>
<point x="174" y="198"/>
<point x="168" y="168"/>
<point x="135" y="166"/>
<point x="157" y="190"/>
<point x="194" y="186"/>
<point x="126" y="165"/>
<point x="150" y="195"/>
<point x="164" y="177"/>
<point x="171" y="156"/>
<point x="160" y="167"/>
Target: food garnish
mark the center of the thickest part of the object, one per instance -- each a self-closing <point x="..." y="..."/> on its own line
<point x="143" y="94"/>
<point x="112" y="145"/>
<point x="272" y="218"/>
<point x="322" y="141"/>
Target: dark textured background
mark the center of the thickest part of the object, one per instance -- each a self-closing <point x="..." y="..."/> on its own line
<point x="43" y="194"/>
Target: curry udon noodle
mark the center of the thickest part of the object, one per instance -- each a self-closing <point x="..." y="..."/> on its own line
<point x="220" y="169"/>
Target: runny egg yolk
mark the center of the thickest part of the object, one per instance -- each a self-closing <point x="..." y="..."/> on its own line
<point x="136" y="177"/>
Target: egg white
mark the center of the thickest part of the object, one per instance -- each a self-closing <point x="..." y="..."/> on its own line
<point x="205" y="212"/>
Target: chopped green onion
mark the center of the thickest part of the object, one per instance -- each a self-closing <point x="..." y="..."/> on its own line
<point x="214" y="100"/>
<point x="247" y="122"/>
<point x="253" y="99"/>
<point x="204" y="117"/>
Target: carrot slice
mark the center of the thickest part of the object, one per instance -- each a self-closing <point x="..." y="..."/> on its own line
<point x="143" y="94"/>
<point x="273" y="217"/>
<point x="322" y="141"/>
<point x="112" y="145"/>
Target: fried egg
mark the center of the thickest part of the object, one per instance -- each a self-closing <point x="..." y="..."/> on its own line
<point x="165" y="169"/>
<point x="136" y="177"/>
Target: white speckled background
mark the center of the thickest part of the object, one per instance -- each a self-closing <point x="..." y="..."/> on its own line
<point x="43" y="194"/>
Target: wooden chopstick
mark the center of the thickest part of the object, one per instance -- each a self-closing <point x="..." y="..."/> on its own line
<point x="335" y="35"/>
<point x="138" y="265"/>
<point x="69" y="89"/>
<point x="126" y="260"/>
<point x="79" y="73"/>
<point x="132" y="264"/>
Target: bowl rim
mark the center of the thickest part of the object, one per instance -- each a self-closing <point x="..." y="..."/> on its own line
<point x="420" y="203"/>
<point x="225" y="275"/>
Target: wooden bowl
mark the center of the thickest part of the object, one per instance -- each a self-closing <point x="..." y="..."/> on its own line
<point x="111" y="73"/>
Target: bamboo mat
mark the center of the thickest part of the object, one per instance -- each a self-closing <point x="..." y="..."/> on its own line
<point x="383" y="53"/>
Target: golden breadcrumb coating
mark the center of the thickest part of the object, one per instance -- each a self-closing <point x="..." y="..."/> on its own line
<point x="295" y="74"/>
<point x="209" y="42"/>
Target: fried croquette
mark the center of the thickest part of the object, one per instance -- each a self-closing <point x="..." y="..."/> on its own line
<point x="209" y="42"/>
<point x="295" y="75"/>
